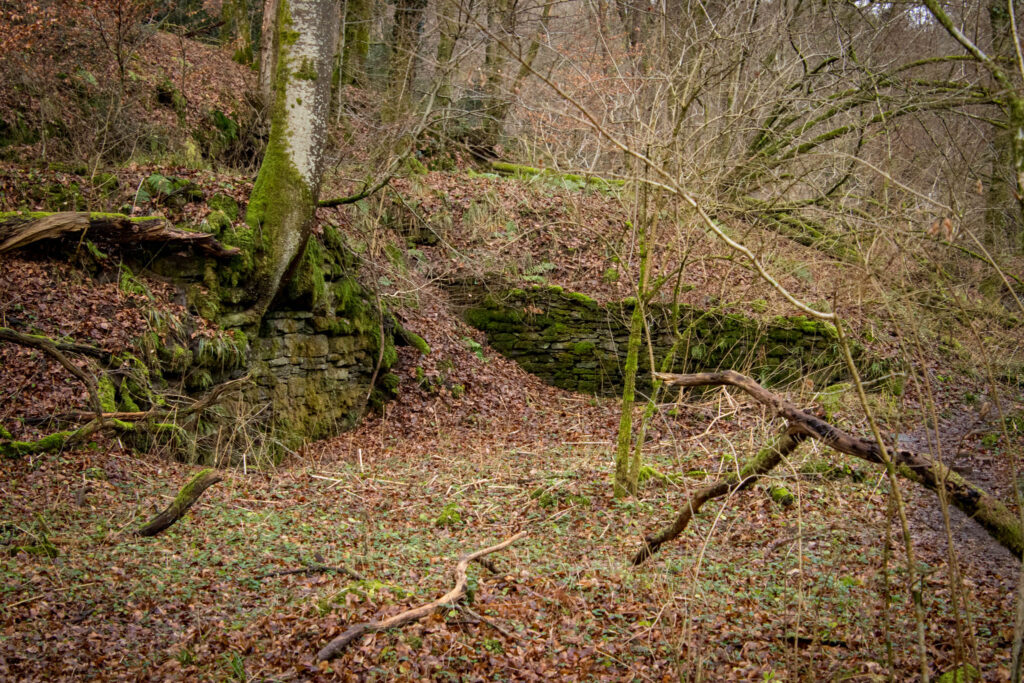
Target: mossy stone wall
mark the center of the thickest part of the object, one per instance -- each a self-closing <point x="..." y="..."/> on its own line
<point x="313" y="377"/>
<point x="573" y="342"/>
<point x="314" y="352"/>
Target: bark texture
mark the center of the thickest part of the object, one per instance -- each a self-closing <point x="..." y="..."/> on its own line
<point x="405" y="42"/>
<point x="281" y="207"/>
<point x="20" y="230"/>
<point x="997" y="519"/>
<point x="268" y="52"/>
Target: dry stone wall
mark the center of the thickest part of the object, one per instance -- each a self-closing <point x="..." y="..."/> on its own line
<point x="573" y="342"/>
<point x="311" y="378"/>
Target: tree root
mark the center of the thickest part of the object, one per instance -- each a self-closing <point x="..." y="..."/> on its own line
<point x="187" y="497"/>
<point x="336" y="646"/>
<point x="922" y="468"/>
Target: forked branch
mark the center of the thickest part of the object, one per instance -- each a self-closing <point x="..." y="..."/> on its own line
<point x="336" y="646"/>
<point x="988" y="511"/>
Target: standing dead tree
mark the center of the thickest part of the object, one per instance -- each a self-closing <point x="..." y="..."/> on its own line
<point x="998" y="520"/>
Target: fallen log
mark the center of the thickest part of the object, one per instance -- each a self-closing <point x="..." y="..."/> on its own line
<point x="972" y="500"/>
<point x="336" y="646"/>
<point x="762" y="463"/>
<point x="185" y="499"/>
<point x="18" y="230"/>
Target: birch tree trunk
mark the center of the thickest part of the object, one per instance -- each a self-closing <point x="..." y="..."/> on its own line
<point x="283" y="201"/>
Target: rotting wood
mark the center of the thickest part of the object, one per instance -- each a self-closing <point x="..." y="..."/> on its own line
<point x="185" y="499"/>
<point x="21" y="230"/>
<point x="972" y="500"/>
<point x="336" y="646"/>
<point x="762" y="463"/>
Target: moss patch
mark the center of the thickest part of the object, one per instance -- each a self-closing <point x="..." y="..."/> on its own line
<point x="573" y="342"/>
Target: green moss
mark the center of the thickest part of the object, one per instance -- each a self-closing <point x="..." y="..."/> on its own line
<point x="649" y="473"/>
<point x="581" y="298"/>
<point x="414" y="166"/>
<point x="611" y="275"/>
<point x="4" y="434"/>
<point x="129" y="284"/>
<point x="781" y="495"/>
<point x="217" y="222"/>
<point x="106" y="183"/>
<point x="107" y="393"/>
<point x="306" y="70"/>
<point x="417" y="342"/>
<point x="390" y="355"/>
<point x="128" y="404"/>
<point x="583" y="348"/>
<point x="961" y="674"/>
<point x="309" y="284"/>
<point x="51" y="442"/>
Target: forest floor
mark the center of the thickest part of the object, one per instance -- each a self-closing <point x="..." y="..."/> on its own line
<point x="752" y="591"/>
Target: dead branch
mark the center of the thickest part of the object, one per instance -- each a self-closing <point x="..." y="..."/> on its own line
<point x="185" y="499"/>
<point x="50" y="347"/>
<point x="313" y="569"/>
<point x="20" y="230"/>
<point x="922" y="468"/>
<point x="7" y="334"/>
<point x="762" y="463"/>
<point x="336" y="646"/>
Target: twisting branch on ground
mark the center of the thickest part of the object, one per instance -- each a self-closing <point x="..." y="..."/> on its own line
<point x="762" y="463"/>
<point x="336" y="646"/>
<point x="922" y="468"/>
<point x="50" y="347"/>
<point x="97" y="418"/>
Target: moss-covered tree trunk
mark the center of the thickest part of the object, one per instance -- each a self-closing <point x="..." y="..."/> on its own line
<point x="283" y="201"/>
<point x="236" y="29"/>
<point x="357" y="42"/>
<point x="627" y="470"/>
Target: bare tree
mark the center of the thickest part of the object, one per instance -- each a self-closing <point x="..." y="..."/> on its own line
<point x="284" y="199"/>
